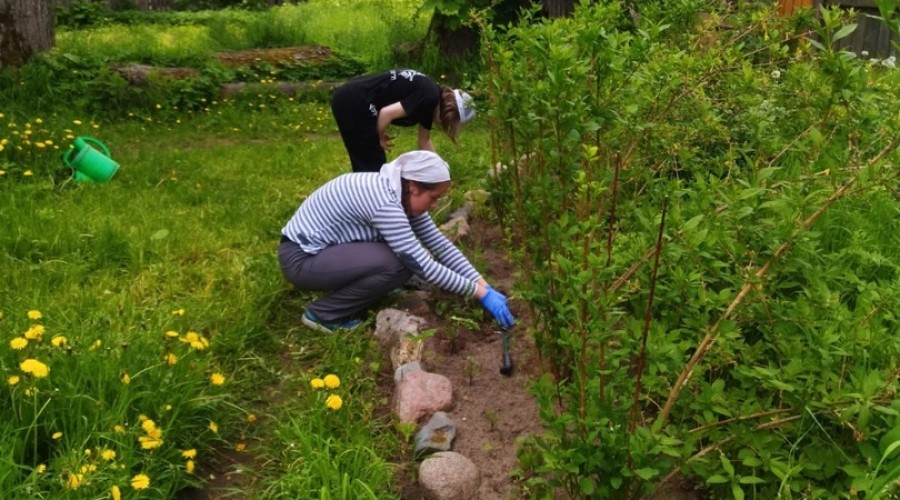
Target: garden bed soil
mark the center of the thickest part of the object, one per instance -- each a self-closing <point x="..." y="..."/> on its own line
<point x="491" y="411"/>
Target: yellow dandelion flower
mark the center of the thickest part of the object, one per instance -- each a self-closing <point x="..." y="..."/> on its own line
<point x="108" y="455"/>
<point x="34" y="367"/>
<point x="214" y="427"/>
<point x="140" y="482"/>
<point x="251" y="418"/>
<point x="168" y="407"/>
<point x="76" y="122"/>
<point x="88" y="452"/>
<point x="334" y="402"/>
<point x="34" y="333"/>
<point x="192" y="453"/>
<point x="28" y="173"/>
<point x="74" y="481"/>
<point x="240" y="447"/>
<point x="29" y="392"/>
<point x="18" y="343"/>
<point x="177" y="312"/>
<point x="40" y="145"/>
<point x="114" y="493"/>
<point x="143" y="417"/>
<point x="58" y="341"/>
<point x="148" y="425"/>
<point x="56" y="435"/>
<point x="149" y="442"/>
<point x="88" y="468"/>
<point x="171" y="334"/>
<point x="171" y="359"/>
<point x="96" y="345"/>
<point x="126" y="379"/>
<point x="332" y="381"/>
<point x="12" y="379"/>
<point x="217" y="379"/>
<point x="40" y="469"/>
<point x="189" y="466"/>
<point x="317" y="383"/>
<point x="34" y="314"/>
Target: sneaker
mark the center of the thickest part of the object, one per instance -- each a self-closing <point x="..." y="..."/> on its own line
<point x="311" y="320"/>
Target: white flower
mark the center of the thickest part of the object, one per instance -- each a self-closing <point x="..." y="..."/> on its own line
<point x="776" y="74"/>
<point x="890" y="62"/>
<point x="864" y="53"/>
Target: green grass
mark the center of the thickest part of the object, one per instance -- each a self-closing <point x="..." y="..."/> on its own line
<point x="190" y="222"/>
<point x="179" y="250"/>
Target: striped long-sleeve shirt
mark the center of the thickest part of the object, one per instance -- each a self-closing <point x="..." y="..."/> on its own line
<point x="362" y="207"/>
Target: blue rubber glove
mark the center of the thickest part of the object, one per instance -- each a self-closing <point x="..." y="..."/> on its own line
<point x="495" y="303"/>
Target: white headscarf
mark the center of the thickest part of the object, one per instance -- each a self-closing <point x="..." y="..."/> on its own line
<point x="422" y="166"/>
<point x="465" y="105"/>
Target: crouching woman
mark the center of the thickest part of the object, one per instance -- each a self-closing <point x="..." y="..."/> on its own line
<point x="361" y="235"/>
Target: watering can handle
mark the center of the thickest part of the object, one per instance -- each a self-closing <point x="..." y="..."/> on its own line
<point x="67" y="156"/>
<point x="98" y="143"/>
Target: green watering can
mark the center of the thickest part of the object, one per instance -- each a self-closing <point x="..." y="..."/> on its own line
<point x="90" y="164"/>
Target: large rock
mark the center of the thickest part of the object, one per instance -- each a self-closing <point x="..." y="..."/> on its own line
<point x="447" y="475"/>
<point x="419" y="394"/>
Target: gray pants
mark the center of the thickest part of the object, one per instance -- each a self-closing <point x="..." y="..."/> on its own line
<point x="357" y="274"/>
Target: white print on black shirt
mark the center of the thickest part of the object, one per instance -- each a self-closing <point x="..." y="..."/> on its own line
<point x="373" y="110"/>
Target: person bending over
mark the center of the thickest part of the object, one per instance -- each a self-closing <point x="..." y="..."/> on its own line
<point x="361" y="235"/>
<point x="366" y="106"/>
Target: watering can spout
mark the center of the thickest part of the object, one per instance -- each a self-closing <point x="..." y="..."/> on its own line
<point x="88" y="163"/>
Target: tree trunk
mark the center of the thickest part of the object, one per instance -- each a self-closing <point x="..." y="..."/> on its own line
<point x="558" y="8"/>
<point x="452" y="43"/>
<point x="26" y="28"/>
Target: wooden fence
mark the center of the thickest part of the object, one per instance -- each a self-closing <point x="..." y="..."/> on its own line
<point x="871" y="36"/>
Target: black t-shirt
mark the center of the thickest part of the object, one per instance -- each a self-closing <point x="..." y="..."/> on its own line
<point x="417" y="93"/>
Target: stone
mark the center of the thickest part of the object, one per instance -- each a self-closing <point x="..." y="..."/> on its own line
<point x="437" y="434"/>
<point x="448" y="475"/>
<point x="419" y="394"/>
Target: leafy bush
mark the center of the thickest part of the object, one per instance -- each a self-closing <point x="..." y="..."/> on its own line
<point x="755" y="163"/>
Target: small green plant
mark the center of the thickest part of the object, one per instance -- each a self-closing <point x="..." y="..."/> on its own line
<point x="472" y="368"/>
<point x="492" y="417"/>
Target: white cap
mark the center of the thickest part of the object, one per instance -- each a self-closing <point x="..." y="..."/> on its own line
<point x="465" y="105"/>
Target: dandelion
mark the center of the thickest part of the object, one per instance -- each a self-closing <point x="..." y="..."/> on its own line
<point x="198" y="342"/>
<point x="140" y="482"/>
<point x="118" y="429"/>
<point x="34" y="333"/>
<point x="317" y="383"/>
<point x="776" y="74"/>
<point x="76" y="122"/>
<point x="171" y="334"/>
<point x="12" y="379"/>
<point x="87" y="452"/>
<point x="332" y="381"/>
<point x="40" y="469"/>
<point x="18" y="343"/>
<point x="96" y="345"/>
<point x="34" y="367"/>
<point x="150" y="442"/>
<point x="126" y="379"/>
<point x="334" y="402"/>
<point x="192" y="453"/>
<point x="168" y="407"/>
<point x="108" y="455"/>
<point x="28" y="173"/>
<point x="34" y="314"/>
<point x="56" y="435"/>
<point x="214" y="427"/>
<point x="148" y="425"/>
<point x="58" y="341"/>
<point x="251" y="418"/>
<point x="171" y="359"/>
<point x="74" y="481"/>
<point x="177" y="312"/>
<point x="115" y="493"/>
<point x="88" y="468"/>
<point x="189" y="466"/>
<point x="217" y="379"/>
<point x="240" y="447"/>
